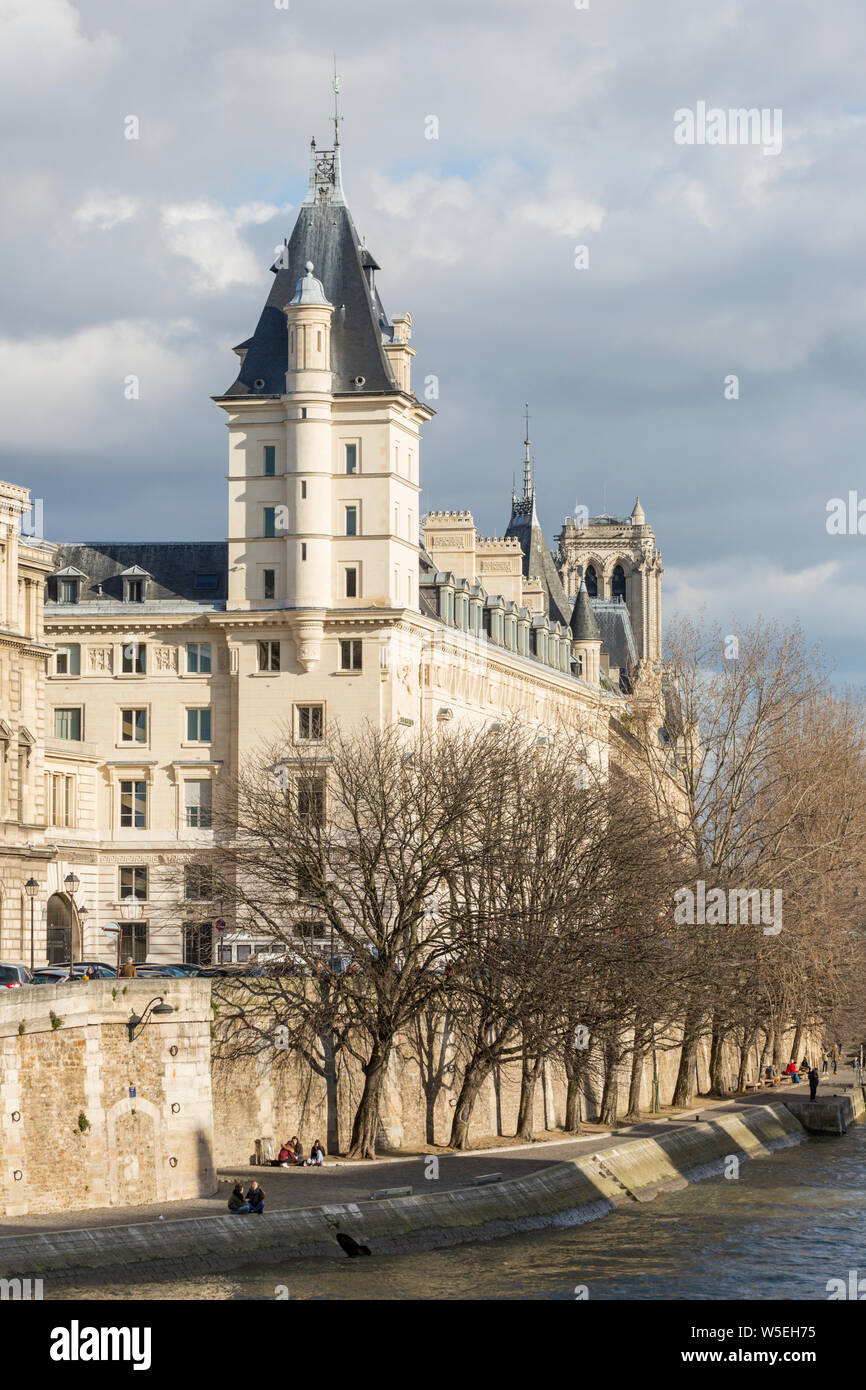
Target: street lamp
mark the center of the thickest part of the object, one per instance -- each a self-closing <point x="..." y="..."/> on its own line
<point x="140" y="1022"/>
<point x="72" y="883"/>
<point x="31" y="888"/>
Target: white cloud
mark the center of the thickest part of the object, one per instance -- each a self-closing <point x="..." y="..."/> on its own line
<point x="106" y="212"/>
<point x="206" y="233"/>
<point x="83" y="375"/>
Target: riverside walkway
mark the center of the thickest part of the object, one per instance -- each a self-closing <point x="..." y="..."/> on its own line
<point x="341" y="1181"/>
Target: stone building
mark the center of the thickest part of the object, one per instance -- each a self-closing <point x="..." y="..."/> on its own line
<point x="331" y="601"/>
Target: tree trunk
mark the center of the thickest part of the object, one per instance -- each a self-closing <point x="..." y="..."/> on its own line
<point x="576" y="1066"/>
<point x="637" y="1064"/>
<point x="778" y="1043"/>
<point x="610" y="1094"/>
<point x="366" y="1123"/>
<point x="473" y="1079"/>
<point x="717" y="1052"/>
<point x="528" y="1078"/>
<point x="797" y="1044"/>
<point x="684" y="1088"/>
<point x="329" y="1068"/>
<point x="748" y="1039"/>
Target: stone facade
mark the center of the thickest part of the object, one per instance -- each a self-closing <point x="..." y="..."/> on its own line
<point x="90" y="1119"/>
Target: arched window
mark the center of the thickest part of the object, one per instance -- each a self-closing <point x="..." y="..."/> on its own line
<point x="591" y="581"/>
<point x="617" y="583"/>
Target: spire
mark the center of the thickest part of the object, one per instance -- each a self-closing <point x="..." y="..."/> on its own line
<point x="584" y="625"/>
<point x="527" y="463"/>
<point x="337" y="117"/>
<point x="638" y="515"/>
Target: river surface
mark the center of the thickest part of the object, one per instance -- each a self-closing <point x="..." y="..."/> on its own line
<point x="782" y="1229"/>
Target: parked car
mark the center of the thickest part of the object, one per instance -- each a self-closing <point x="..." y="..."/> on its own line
<point x="159" y="972"/>
<point x="186" y="968"/>
<point x="14" y="976"/>
<point x="95" y="969"/>
<point x="51" y="975"/>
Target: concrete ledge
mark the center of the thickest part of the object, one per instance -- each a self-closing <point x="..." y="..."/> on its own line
<point x="562" y="1194"/>
<point x="829" y="1114"/>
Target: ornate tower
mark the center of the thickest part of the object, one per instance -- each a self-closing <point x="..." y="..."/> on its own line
<point x="324" y="433"/>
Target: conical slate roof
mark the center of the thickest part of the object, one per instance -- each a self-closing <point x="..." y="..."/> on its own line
<point x="584" y="626"/>
<point x="324" y="234"/>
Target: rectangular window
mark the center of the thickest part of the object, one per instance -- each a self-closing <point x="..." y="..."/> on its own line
<point x="269" y="656"/>
<point x="67" y="591"/>
<point x="133" y="881"/>
<point x="351" y="521"/>
<point x="197" y="883"/>
<point x="68" y="660"/>
<point x="351" y="458"/>
<point x="198" y="658"/>
<point x="133" y="942"/>
<point x="351" y="582"/>
<point x="303" y="490"/>
<point x="311" y="799"/>
<point x="268" y="583"/>
<point x="133" y="726"/>
<point x="270" y="467"/>
<point x="134" y="591"/>
<point x="244" y="953"/>
<point x="350" y="654"/>
<point x="270" y="521"/>
<point x="134" y="661"/>
<point x="198" y="725"/>
<point x="197" y="805"/>
<point x="133" y="805"/>
<point x="303" y="550"/>
<point x="310" y="723"/>
<point x="67" y="723"/>
<point x="59" y="799"/>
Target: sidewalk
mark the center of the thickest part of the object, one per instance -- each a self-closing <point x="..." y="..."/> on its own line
<point x="340" y="1181"/>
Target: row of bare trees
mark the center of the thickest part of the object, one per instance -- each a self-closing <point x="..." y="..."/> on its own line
<point x="505" y="896"/>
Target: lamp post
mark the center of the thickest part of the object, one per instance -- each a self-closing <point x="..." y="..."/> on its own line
<point x="72" y="883"/>
<point x="31" y="888"/>
<point x="136" y="1022"/>
<point x="131" y="911"/>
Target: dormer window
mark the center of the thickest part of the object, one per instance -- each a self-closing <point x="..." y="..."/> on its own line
<point x="68" y="585"/>
<point x="134" y="584"/>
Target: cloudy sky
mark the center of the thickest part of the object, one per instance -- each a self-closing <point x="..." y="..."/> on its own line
<point x="149" y="258"/>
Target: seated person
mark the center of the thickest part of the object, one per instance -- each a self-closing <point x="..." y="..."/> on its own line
<point x="236" y="1200"/>
<point x="282" y="1159"/>
<point x="255" y="1198"/>
<point x="297" y="1151"/>
<point x="317" y="1155"/>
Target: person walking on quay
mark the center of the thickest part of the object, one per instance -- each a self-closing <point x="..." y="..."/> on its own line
<point x="825" y="1060"/>
<point x="836" y="1052"/>
<point x="813" y="1083"/>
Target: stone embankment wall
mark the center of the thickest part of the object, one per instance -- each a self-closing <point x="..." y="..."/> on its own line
<point x="558" y="1194"/>
<point x="275" y="1094"/>
<point x="90" y="1119"/>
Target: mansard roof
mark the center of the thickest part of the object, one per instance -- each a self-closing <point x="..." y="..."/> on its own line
<point x="190" y="571"/>
<point x="612" y="617"/>
<point x="325" y="234"/>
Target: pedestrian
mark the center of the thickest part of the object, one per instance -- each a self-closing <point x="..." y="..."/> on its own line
<point x="813" y="1082"/>
<point x="129" y="971"/>
<point x="825" y="1060"/>
<point x="836" y="1051"/>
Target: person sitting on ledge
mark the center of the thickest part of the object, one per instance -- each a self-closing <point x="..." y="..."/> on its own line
<point x="236" y="1200"/>
<point x="283" y="1158"/>
<point x="297" y="1151"/>
<point x="791" y="1070"/>
<point x="255" y="1198"/>
<point x="317" y="1156"/>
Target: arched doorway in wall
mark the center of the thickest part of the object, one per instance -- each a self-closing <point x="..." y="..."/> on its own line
<point x="62" y="935"/>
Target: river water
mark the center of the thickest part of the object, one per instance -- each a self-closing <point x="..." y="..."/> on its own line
<point x="782" y="1229"/>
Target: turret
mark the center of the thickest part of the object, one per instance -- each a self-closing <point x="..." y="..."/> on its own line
<point x="585" y="637"/>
